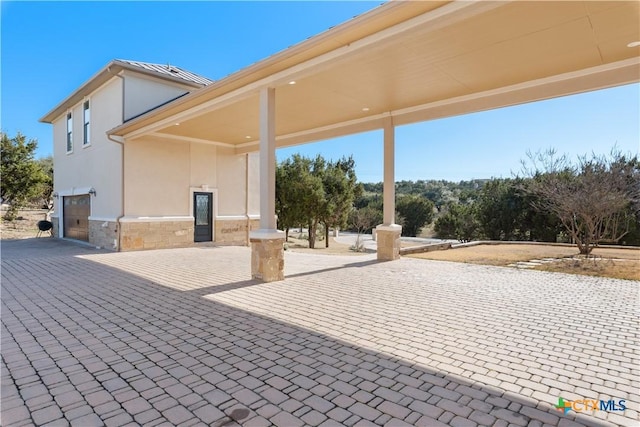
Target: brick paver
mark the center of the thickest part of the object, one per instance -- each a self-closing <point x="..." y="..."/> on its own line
<point x="182" y="337"/>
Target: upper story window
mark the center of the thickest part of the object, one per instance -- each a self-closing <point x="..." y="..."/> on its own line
<point x="86" y="112"/>
<point x="69" y="133"/>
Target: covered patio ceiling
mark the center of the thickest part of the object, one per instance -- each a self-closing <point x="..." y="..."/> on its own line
<point x="413" y="61"/>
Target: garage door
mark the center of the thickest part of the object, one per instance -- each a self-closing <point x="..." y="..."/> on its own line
<point x="76" y="217"/>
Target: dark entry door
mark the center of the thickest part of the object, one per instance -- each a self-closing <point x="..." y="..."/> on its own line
<point x="203" y="214"/>
<point x="76" y="217"/>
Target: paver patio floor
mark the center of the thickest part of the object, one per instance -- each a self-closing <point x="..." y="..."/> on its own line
<point x="182" y="337"/>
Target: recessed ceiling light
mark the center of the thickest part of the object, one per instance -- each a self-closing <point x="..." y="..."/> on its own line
<point x="292" y="82"/>
<point x="365" y="109"/>
<point x="248" y="137"/>
<point x="177" y="124"/>
<point x="634" y="44"/>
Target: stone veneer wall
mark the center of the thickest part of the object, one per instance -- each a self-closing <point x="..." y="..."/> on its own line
<point x="103" y="234"/>
<point x="267" y="259"/>
<point x="388" y="243"/>
<point x="156" y="235"/>
<point x="231" y="231"/>
<point x="55" y="231"/>
<point x="234" y="231"/>
<point x="141" y="235"/>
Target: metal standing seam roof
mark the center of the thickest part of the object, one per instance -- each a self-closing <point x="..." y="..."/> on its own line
<point x="169" y="70"/>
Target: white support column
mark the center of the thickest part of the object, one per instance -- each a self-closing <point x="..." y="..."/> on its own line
<point x="389" y="185"/>
<point x="268" y="159"/>
<point x="388" y="234"/>
<point x="267" y="252"/>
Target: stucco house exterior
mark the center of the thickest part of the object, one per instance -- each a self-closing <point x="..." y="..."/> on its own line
<point x="154" y="192"/>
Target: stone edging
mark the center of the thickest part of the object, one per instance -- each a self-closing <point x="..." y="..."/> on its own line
<point x="444" y="246"/>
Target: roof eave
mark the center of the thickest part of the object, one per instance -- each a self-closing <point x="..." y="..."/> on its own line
<point x="94" y="82"/>
<point x="101" y="77"/>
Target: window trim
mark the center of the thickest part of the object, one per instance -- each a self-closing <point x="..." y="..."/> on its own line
<point x="86" y="124"/>
<point x="69" y="133"/>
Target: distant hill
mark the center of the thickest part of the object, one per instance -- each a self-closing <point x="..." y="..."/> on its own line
<point x="440" y="192"/>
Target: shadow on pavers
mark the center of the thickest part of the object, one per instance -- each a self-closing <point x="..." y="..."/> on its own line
<point x="45" y="247"/>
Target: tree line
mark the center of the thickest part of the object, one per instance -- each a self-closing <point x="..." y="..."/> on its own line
<point x="595" y="200"/>
<point x="319" y="195"/>
<point x="591" y="201"/>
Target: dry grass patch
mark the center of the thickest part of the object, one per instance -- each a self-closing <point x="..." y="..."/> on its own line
<point x="25" y="226"/>
<point x="617" y="263"/>
<point x="498" y="254"/>
<point x="605" y="267"/>
<point x="302" y="245"/>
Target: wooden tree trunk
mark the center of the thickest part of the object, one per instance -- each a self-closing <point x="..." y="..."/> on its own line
<point x="326" y="235"/>
<point x="312" y="235"/>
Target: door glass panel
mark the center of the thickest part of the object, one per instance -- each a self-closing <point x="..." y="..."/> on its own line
<point x="202" y="209"/>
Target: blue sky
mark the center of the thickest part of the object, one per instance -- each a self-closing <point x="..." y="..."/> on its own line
<point x="51" y="48"/>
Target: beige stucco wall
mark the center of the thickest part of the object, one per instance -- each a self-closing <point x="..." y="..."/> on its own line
<point x="231" y="178"/>
<point x="96" y="165"/>
<point x="254" y="184"/>
<point x="160" y="172"/>
<point x="157" y="174"/>
<point x="161" y="176"/>
<point x="203" y="165"/>
<point x="144" y="92"/>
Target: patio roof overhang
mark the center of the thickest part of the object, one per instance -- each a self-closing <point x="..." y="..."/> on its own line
<point x="412" y="61"/>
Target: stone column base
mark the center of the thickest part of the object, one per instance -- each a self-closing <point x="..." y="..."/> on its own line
<point x="267" y="255"/>
<point x="388" y="238"/>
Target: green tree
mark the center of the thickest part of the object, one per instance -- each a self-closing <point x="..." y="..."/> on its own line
<point x="341" y="190"/>
<point x="45" y="190"/>
<point x="286" y="205"/>
<point x="22" y="177"/>
<point x="314" y="200"/>
<point x="505" y="210"/>
<point x="365" y="199"/>
<point x="315" y="192"/>
<point x="415" y="211"/>
<point x="299" y="194"/>
<point x="458" y="222"/>
<point x="371" y="187"/>
<point x="500" y="209"/>
<point x="537" y="225"/>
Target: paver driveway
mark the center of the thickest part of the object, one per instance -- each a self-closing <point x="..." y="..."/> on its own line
<point x="181" y="337"/>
